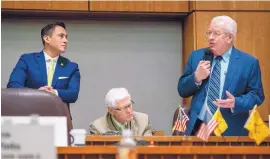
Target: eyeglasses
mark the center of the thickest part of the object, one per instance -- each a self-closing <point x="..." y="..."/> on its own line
<point x="125" y="108"/>
<point x="213" y="33"/>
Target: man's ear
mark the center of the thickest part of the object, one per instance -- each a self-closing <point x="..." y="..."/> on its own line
<point x="47" y="38"/>
<point x="110" y="111"/>
<point x="230" y="38"/>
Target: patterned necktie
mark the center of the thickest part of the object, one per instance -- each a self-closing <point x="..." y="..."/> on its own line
<point x="214" y="85"/>
<point x="50" y="71"/>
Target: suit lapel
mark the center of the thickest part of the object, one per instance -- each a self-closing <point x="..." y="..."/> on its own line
<point x="231" y="70"/>
<point x="134" y="127"/>
<point x="110" y="124"/>
<point x="42" y="67"/>
<point x="60" y="66"/>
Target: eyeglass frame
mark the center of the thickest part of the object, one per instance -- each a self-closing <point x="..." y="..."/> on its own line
<point x="213" y="33"/>
<point x="125" y="107"/>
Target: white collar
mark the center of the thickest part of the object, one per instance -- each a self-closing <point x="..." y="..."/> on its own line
<point x="47" y="57"/>
<point x="226" y="55"/>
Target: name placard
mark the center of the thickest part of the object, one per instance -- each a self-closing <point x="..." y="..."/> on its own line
<point x="23" y="141"/>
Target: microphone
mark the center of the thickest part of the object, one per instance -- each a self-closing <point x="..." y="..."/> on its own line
<point x="208" y="55"/>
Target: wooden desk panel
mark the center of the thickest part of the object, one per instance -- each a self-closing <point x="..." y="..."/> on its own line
<point x="179" y="140"/>
<point x="162" y="152"/>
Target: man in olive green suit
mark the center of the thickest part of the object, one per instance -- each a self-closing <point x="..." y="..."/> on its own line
<point x="121" y="116"/>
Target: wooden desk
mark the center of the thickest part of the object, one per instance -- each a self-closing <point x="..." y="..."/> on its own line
<point x="168" y="152"/>
<point x="179" y="141"/>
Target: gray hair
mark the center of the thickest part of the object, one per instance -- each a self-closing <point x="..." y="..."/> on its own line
<point x="114" y="95"/>
<point x="227" y="23"/>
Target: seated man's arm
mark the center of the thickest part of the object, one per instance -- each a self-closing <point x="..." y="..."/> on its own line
<point x="18" y="76"/>
<point x="70" y="95"/>
<point x="93" y="130"/>
<point x="147" y="131"/>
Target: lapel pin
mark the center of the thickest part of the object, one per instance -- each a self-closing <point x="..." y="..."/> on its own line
<point x="62" y="64"/>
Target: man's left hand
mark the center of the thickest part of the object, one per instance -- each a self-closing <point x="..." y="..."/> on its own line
<point x="226" y="103"/>
<point x="52" y="91"/>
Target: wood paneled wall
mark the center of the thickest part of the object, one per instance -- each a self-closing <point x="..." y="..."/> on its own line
<point x="253" y="31"/>
<point x="230" y="5"/>
<point x="139" y="6"/>
<point x="46" y="5"/>
<point x="104" y="6"/>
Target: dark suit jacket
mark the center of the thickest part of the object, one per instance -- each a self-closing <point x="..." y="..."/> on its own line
<point x="243" y="80"/>
<point x="30" y="72"/>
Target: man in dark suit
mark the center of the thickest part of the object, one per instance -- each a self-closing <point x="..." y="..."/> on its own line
<point x="48" y="70"/>
<point x="221" y="76"/>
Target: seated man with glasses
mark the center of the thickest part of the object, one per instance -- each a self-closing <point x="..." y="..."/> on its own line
<point x="121" y="116"/>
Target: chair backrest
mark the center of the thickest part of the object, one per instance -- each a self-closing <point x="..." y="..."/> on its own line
<point x="158" y="133"/>
<point x="25" y="102"/>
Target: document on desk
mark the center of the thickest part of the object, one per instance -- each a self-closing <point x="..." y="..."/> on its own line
<point x="27" y="141"/>
<point x="59" y="124"/>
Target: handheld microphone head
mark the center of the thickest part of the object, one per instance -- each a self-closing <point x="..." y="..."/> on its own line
<point x="208" y="51"/>
<point x="208" y="55"/>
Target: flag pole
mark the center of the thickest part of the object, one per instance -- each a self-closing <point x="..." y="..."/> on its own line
<point x="183" y="111"/>
<point x="179" y="107"/>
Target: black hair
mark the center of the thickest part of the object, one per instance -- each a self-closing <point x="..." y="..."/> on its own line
<point x="49" y="28"/>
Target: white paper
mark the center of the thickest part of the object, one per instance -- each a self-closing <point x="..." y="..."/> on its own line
<point x="59" y="124"/>
<point x="31" y="141"/>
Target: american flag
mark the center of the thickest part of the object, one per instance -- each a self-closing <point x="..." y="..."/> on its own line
<point x="208" y="126"/>
<point x="181" y="122"/>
